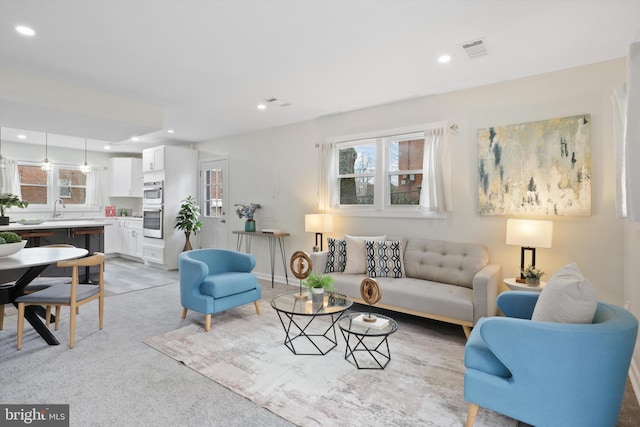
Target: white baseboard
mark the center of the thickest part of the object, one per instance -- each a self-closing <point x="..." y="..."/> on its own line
<point x="634" y="377"/>
<point x="278" y="279"/>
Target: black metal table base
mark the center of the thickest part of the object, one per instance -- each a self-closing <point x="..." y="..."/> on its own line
<point x="378" y="352"/>
<point x="300" y="332"/>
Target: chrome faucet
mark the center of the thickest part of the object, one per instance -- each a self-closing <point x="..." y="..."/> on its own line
<point x="57" y="214"/>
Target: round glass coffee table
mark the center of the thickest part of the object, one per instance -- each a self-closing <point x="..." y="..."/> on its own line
<point x="367" y="338"/>
<point x="310" y="327"/>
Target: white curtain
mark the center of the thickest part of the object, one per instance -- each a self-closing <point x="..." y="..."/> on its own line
<point x="9" y="179"/>
<point x="435" y="195"/>
<point x="619" y="122"/>
<point x="93" y="186"/>
<point x="632" y="133"/>
<point x="326" y="178"/>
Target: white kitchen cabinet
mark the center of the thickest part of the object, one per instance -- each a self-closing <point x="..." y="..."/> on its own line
<point x="133" y="238"/>
<point x="111" y="237"/>
<point x="126" y="177"/>
<point x="153" y="159"/>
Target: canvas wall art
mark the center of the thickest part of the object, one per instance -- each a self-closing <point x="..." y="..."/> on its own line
<point x="536" y="168"/>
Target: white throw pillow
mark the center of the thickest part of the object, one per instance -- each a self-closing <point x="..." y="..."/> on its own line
<point x="566" y="298"/>
<point x="356" y="255"/>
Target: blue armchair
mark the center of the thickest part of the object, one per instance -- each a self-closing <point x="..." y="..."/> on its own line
<point x="215" y="280"/>
<point x="549" y="374"/>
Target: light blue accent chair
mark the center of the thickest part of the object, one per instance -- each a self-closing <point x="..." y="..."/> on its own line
<point x="215" y="280"/>
<point x="549" y="374"/>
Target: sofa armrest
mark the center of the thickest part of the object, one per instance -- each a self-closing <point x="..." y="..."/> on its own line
<point x="319" y="261"/>
<point x="485" y="291"/>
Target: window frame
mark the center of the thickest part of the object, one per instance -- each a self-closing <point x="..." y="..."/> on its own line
<point x="53" y="187"/>
<point x="382" y="206"/>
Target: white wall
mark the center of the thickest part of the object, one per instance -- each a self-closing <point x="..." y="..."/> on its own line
<point x="278" y="168"/>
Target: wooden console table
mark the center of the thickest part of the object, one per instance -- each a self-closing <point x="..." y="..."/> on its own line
<point x="273" y="238"/>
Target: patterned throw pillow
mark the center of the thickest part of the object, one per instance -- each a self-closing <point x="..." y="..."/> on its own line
<point x="336" y="256"/>
<point x="356" y="254"/>
<point x="384" y="259"/>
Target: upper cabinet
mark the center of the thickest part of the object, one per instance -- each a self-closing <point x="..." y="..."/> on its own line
<point x="126" y="177"/>
<point x="153" y="159"/>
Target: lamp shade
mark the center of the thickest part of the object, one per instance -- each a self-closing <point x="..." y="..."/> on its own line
<point x="318" y="223"/>
<point x="529" y="233"/>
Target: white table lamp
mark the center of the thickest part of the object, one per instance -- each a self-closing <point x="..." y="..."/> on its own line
<point x="529" y="235"/>
<point x="318" y="223"/>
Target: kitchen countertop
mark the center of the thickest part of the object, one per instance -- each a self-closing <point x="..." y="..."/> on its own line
<point x="70" y="223"/>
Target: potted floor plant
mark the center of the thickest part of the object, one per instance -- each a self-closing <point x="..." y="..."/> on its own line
<point x="317" y="283"/>
<point x="8" y="200"/>
<point x="188" y="220"/>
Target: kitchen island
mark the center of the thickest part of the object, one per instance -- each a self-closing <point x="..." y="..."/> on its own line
<point x="81" y="233"/>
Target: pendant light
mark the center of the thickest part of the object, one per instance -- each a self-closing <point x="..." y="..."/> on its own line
<point x="46" y="164"/>
<point x="86" y="167"/>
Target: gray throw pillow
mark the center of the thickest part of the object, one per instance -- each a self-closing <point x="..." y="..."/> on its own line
<point x="566" y="298"/>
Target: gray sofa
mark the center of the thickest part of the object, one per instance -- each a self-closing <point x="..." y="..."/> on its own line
<point x="446" y="281"/>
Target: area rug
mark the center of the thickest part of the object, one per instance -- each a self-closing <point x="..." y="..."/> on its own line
<point x="422" y="384"/>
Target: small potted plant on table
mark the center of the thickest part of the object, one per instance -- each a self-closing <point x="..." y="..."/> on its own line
<point x="317" y="283"/>
<point x="188" y="220"/>
<point x="532" y="275"/>
<point x="8" y="200"/>
<point x="248" y="212"/>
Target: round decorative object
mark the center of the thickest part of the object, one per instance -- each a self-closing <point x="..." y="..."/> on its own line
<point x="370" y="291"/>
<point x="371" y="294"/>
<point x="300" y="265"/>
<point x="9" y="249"/>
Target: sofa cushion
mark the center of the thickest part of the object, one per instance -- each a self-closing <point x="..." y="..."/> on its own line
<point x="446" y="262"/>
<point x="356" y="256"/>
<point x="566" y="298"/>
<point x="336" y="255"/>
<point x="384" y="258"/>
<point x="226" y="284"/>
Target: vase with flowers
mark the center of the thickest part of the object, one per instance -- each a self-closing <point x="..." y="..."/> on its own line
<point x="248" y="212"/>
<point x="532" y="275"/>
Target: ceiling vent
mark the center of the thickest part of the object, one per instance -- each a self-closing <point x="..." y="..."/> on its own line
<point x="277" y="102"/>
<point x="475" y="48"/>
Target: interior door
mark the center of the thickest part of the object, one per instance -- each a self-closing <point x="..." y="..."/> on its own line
<point x="213" y="205"/>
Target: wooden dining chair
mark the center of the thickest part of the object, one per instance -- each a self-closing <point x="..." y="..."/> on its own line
<point x="39" y="282"/>
<point x="64" y="295"/>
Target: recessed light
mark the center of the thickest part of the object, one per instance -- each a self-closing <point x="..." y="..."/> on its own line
<point x="135" y="139"/>
<point x="261" y="107"/>
<point x="107" y="147"/>
<point x="171" y="131"/>
<point x="25" y="31"/>
<point x="444" y="58"/>
<point x="21" y="136"/>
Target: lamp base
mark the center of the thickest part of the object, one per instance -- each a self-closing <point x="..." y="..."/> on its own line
<point x="301" y="296"/>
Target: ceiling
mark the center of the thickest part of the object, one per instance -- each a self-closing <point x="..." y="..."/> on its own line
<point x="107" y="70"/>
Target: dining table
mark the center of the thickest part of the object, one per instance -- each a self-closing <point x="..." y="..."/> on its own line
<point x="35" y="261"/>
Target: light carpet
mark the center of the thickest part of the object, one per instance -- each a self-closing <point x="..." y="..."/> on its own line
<point x="422" y="385"/>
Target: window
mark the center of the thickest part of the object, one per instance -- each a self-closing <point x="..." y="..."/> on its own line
<point x="40" y="189"/>
<point x="396" y="172"/>
<point x="213" y="193"/>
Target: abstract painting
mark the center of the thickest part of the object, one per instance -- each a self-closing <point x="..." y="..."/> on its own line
<point x="536" y="168"/>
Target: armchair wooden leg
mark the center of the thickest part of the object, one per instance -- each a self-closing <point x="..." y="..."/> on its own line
<point x="101" y="311"/>
<point x="257" y="306"/>
<point x="471" y="415"/>
<point x="47" y="316"/>
<point x="184" y="313"/>
<point x="1" y="316"/>
<point x="20" y="323"/>
<point x="207" y="322"/>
